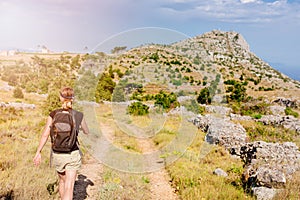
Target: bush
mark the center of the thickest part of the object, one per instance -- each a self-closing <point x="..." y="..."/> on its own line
<point x="166" y="101"/>
<point x="18" y="93"/>
<point x="204" y="96"/>
<point x="138" y="108"/>
<point x="194" y="107"/>
<point x="105" y="88"/>
<point x="53" y="102"/>
<point x="289" y="111"/>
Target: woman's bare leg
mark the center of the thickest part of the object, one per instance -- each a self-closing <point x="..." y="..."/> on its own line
<point x="70" y="177"/>
<point x="61" y="187"/>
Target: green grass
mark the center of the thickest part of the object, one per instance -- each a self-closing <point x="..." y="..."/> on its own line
<point x="257" y="131"/>
<point x="120" y="185"/>
<point x="19" y="138"/>
<point x="292" y="189"/>
<point x="193" y="177"/>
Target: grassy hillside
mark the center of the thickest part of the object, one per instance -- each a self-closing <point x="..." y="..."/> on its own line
<point x="219" y="64"/>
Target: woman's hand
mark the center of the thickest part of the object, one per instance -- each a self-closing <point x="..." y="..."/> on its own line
<point x="37" y="159"/>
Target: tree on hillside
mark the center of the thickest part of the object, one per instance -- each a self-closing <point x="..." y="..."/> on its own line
<point x="166" y="101"/>
<point x="204" y="97"/>
<point x="105" y="88"/>
<point x="118" y="49"/>
<point x="237" y="90"/>
<point x="118" y="94"/>
<point x="52" y="102"/>
<point x="85" y="86"/>
<point x="138" y="108"/>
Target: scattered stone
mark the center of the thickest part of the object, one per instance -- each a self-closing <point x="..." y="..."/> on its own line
<point x="226" y="133"/>
<point x="288" y="122"/>
<point x="220" y="172"/>
<point x="17" y="106"/>
<point x="268" y="166"/>
<point x="264" y="193"/>
<point x="223" y="111"/>
<point x="239" y="117"/>
<point x="287" y="102"/>
<point x="277" y="110"/>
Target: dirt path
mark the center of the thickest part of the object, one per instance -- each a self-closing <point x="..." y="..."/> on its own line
<point x="88" y="180"/>
<point x="160" y="181"/>
<point x="89" y="177"/>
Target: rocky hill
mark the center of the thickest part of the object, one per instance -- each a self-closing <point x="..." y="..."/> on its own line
<point x="222" y="61"/>
<point x="230" y="54"/>
<point x="203" y="61"/>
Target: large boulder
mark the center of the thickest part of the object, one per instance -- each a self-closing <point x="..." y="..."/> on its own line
<point x="269" y="164"/>
<point x="288" y="122"/>
<point x="221" y="131"/>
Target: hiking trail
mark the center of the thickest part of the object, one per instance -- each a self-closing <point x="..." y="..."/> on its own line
<point x="90" y="176"/>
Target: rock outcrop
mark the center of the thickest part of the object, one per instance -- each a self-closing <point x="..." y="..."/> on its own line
<point x="288" y="122"/>
<point x="268" y="166"/>
<point x="17" y="106"/>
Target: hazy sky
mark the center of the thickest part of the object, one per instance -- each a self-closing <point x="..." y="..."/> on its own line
<point x="272" y="28"/>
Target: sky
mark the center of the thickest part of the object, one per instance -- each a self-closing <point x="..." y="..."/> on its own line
<point x="271" y="27"/>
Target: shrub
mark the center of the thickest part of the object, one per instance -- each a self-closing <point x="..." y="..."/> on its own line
<point x="138" y="108"/>
<point x="53" y="102"/>
<point x="204" y="96"/>
<point x="194" y="107"/>
<point x="166" y="101"/>
<point x="105" y="88"/>
<point x="289" y="111"/>
<point x="17" y="93"/>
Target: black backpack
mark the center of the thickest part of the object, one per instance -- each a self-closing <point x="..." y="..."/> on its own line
<point x="63" y="131"/>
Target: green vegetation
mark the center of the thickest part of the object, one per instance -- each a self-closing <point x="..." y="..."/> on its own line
<point x="192" y="175"/>
<point x="44" y="74"/>
<point x="194" y="107"/>
<point x="289" y="111"/>
<point x="105" y="88"/>
<point x="85" y="86"/>
<point x="19" y="136"/>
<point x="138" y="108"/>
<point x="52" y="102"/>
<point x="120" y="185"/>
<point x="118" y="49"/>
<point x="166" y="101"/>
<point x="258" y="131"/>
<point x="204" y="97"/>
<point x="18" y="93"/>
<point x="236" y="90"/>
<point x="254" y="108"/>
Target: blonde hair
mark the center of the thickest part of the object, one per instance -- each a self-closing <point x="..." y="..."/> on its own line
<point x="67" y="94"/>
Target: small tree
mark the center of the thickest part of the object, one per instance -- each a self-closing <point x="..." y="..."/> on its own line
<point x="18" y="93"/>
<point x="118" y="94"/>
<point x="138" y="108"/>
<point x="105" y="88"/>
<point x="166" y="101"/>
<point x="204" y="96"/>
<point x="52" y="102"/>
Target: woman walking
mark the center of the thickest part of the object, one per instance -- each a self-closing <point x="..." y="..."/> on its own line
<point x="66" y="162"/>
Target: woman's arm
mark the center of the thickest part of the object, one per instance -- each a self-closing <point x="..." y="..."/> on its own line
<point x="84" y="127"/>
<point x="37" y="158"/>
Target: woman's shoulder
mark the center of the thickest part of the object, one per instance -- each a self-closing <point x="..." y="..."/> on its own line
<point x="52" y="113"/>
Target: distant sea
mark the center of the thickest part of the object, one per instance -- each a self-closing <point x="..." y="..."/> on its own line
<point x="291" y="71"/>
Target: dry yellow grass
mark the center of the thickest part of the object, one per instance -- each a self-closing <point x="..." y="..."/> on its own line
<point x="193" y="176"/>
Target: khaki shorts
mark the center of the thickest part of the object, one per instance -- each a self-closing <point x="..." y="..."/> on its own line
<point x="67" y="161"/>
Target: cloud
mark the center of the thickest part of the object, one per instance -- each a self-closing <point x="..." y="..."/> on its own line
<point x="248" y="1"/>
<point x="234" y="11"/>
